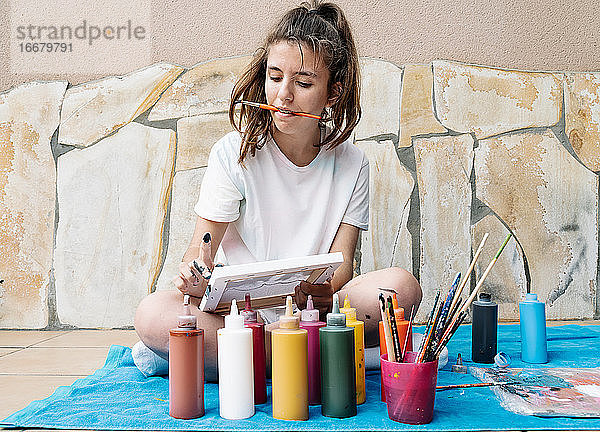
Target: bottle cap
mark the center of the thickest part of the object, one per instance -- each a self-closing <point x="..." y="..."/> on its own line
<point x="310" y="313"/>
<point x="186" y="320"/>
<point x="350" y="312"/>
<point x="289" y="320"/>
<point x="502" y="359"/>
<point x="531" y="297"/>
<point x="335" y="318"/>
<point x="249" y="315"/>
<point x="485" y="297"/>
<point x="234" y="320"/>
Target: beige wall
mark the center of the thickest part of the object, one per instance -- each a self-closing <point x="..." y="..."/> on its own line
<point x="546" y="35"/>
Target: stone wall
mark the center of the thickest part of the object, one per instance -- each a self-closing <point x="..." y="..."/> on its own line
<point x="98" y="181"/>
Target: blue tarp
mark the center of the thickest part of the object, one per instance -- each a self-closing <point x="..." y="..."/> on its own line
<point x="119" y="397"/>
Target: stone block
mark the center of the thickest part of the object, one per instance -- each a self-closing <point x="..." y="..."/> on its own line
<point x="29" y="115"/>
<point x="204" y="89"/>
<point x="387" y="243"/>
<point x="582" y="116"/>
<point x="182" y="220"/>
<point x="550" y="202"/>
<point x="196" y="136"/>
<point x="112" y="199"/>
<point x="444" y="167"/>
<point x="93" y="110"/>
<point x="416" y="109"/>
<point x="379" y="99"/>
<point x="487" y="101"/>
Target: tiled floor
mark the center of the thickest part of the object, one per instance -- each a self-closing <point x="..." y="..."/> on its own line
<point x="34" y="363"/>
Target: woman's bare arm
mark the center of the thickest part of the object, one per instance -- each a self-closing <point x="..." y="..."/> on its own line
<point x="189" y="280"/>
<point x="345" y="242"/>
<point x="216" y="230"/>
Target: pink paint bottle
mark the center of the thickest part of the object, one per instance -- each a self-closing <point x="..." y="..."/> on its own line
<point x="186" y="367"/>
<point x="258" y="348"/>
<point x="310" y="322"/>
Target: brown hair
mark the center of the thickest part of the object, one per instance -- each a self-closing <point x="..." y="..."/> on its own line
<point x="323" y="28"/>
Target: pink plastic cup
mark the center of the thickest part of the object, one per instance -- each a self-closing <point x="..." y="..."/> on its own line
<point x="409" y="389"/>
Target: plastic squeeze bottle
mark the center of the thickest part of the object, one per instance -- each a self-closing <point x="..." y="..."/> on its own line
<point x="338" y="386"/>
<point x="289" y="367"/>
<point x="532" y="317"/>
<point x="236" y="372"/>
<point x="186" y="367"/>
<point x="309" y="321"/>
<point x="359" y="349"/>
<point x="484" y="341"/>
<point x="258" y="349"/>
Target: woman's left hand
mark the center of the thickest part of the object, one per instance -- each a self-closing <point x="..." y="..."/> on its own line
<point x="321" y="296"/>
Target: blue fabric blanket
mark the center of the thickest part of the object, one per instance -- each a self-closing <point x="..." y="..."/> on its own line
<point x="119" y="397"/>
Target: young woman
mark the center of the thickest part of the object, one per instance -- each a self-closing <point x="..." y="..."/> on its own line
<point x="283" y="185"/>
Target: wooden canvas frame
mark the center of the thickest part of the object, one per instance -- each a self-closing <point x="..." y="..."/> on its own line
<point x="269" y="282"/>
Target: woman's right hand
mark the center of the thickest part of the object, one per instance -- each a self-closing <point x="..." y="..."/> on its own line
<point x="193" y="276"/>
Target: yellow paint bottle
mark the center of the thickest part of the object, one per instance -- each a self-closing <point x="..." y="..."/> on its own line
<point x="289" y="355"/>
<point x="359" y="349"/>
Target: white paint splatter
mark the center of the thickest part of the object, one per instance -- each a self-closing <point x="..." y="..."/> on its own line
<point x="592" y="390"/>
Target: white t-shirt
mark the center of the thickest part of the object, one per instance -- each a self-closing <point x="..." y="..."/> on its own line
<point x="277" y="209"/>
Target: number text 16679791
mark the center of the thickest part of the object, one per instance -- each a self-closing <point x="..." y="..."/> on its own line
<point x="40" y="47"/>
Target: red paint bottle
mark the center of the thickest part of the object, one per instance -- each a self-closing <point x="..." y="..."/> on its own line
<point x="310" y="322"/>
<point x="258" y="349"/>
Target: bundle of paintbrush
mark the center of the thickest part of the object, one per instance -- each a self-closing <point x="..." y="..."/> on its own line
<point x="391" y="330"/>
<point x="450" y="311"/>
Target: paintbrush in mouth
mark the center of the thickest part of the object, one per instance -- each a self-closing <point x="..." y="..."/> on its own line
<point x="281" y="110"/>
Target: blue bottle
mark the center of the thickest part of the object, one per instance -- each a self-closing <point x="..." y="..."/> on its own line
<point x="532" y="316"/>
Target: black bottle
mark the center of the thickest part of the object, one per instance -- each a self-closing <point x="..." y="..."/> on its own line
<point x="485" y="327"/>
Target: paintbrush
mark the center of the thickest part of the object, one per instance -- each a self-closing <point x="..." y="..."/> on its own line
<point x="467" y="275"/>
<point x="476" y="290"/>
<point x="386" y="330"/>
<point x="449" y="333"/>
<point x="281" y="110"/>
<point x="395" y="336"/>
<point x="483" y="384"/>
<point x="429" y="336"/>
<point x="487" y="270"/>
<point x="456" y="386"/>
<point x="446" y="307"/>
<point x="429" y="321"/>
<point x="408" y="332"/>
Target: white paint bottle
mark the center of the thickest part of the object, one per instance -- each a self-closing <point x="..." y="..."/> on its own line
<point x="236" y="369"/>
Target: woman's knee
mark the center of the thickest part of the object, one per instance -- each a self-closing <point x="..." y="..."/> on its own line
<point x="404" y="284"/>
<point x="148" y="315"/>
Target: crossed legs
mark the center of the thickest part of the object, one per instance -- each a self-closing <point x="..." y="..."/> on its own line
<point x="157" y="313"/>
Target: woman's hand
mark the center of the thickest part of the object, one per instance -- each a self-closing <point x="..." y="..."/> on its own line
<point x="321" y="296"/>
<point x="193" y="276"/>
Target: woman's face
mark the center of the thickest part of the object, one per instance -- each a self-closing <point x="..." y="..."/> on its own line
<point x="296" y="85"/>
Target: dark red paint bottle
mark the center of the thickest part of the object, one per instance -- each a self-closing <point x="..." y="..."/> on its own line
<point x="259" y="355"/>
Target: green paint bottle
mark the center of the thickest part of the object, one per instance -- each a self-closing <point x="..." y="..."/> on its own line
<point x="338" y="378"/>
